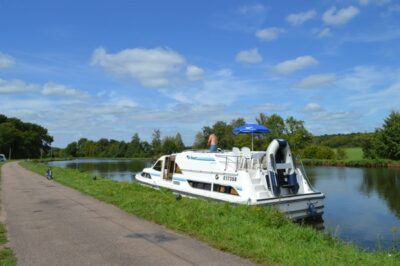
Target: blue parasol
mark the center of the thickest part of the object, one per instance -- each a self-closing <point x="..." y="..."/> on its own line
<point x="251" y="129"/>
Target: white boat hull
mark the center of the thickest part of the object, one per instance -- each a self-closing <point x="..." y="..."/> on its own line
<point x="255" y="178"/>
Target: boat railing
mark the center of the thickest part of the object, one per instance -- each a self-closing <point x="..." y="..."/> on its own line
<point x="299" y="164"/>
<point x="240" y="161"/>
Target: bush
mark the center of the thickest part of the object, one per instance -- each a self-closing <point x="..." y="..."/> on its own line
<point x="318" y="152"/>
<point x="341" y="154"/>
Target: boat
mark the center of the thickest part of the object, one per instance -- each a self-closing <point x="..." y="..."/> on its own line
<point x="239" y="176"/>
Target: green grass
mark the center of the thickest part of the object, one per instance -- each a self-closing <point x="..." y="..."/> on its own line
<point x="354" y="153"/>
<point x="7" y="257"/>
<point x="258" y="233"/>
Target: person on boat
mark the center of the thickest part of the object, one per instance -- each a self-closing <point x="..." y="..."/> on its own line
<point x="213" y="142"/>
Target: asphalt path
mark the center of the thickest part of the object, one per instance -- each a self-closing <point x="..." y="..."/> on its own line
<point x="50" y="224"/>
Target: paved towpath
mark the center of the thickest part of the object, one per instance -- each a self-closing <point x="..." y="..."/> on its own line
<point x="49" y="224"/>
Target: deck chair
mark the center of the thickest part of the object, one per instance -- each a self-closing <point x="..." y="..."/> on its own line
<point x="246" y="155"/>
<point x="236" y="153"/>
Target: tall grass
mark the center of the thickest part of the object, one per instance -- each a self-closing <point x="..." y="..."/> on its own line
<point x="261" y="234"/>
<point x="7" y="257"/>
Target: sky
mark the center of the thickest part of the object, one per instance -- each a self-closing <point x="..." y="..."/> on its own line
<point x="109" y="69"/>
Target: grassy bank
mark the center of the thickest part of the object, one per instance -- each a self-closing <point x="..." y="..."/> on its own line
<point x="354" y="159"/>
<point x="352" y="163"/>
<point x="260" y="234"/>
<point x="7" y="257"/>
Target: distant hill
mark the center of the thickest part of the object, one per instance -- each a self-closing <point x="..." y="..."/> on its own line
<point x="342" y="140"/>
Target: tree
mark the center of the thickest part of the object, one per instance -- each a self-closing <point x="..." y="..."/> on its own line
<point x="71" y="149"/>
<point x="224" y="134"/>
<point x="317" y="152"/>
<point x="238" y="122"/>
<point x="25" y="140"/>
<point x="387" y="139"/>
<point x="341" y="154"/>
<point x="179" y="143"/>
<point x="156" y="142"/>
<point x="297" y="135"/>
<point x="200" y="141"/>
<point x="169" y="145"/>
<point x="134" y="148"/>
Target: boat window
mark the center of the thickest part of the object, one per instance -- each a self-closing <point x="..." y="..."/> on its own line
<point x="145" y="175"/>
<point x="158" y="166"/>
<point x="225" y="189"/>
<point x="177" y="169"/>
<point x="200" y="185"/>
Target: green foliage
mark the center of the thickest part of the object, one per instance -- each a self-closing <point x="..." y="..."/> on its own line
<point x="385" y="142"/>
<point x="341" y="154"/>
<point x="156" y="142"/>
<point x="290" y="129"/>
<point x="342" y="140"/>
<point x="71" y="149"/>
<point x="118" y="149"/>
<point x="7" y="257"/>
<point x="387" y="139"/>
<point x="25" y="140"/>
<point x="259" y="233"/>
<point x="317" y="152"/>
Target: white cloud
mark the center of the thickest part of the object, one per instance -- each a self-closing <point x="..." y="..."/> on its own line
<point x="194" y="72"/>
<point x="6" y="61"/>
<point x="151" y="67"/>
<point x="252" y="9"/>
<point x="368" y="78"/>
<point x="272" y="107"/>
<point x="224" y="73"/>
<point x="217" y="90"/>
<point x="269" y="34"/>
<point x="16" y="86"/>
<point x="296" y="64"/>
<point x="375" y="2"/>
<point x="299" y="18"/>
<point x="319" y="80"/>
<point x="251" y="56"/>
<point x="51" y="88"/>
<point x="322" y="33"/>
<point x="341" y="16"/>
<point x="385" y="35"/>
<point x="312" y="107"/>
<point x="383" y="98"/>
<point x="394" y="8"/>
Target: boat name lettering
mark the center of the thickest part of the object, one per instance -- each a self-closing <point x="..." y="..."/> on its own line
<point x="230" y="178"/>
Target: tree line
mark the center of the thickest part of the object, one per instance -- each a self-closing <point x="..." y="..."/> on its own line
<point x="23" y="140"/>
<point x="291" y="129"/>
<point x="136" y="148"/>
<point x="28" y="140"/>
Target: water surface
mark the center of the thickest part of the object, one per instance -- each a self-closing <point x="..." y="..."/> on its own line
<point x="118" y="170"/>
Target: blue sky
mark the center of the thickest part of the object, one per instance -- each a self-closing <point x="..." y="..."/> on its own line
<point x="114" y="68"/>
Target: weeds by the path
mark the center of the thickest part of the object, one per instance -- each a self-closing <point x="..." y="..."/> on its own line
<point x="7" y="257"/>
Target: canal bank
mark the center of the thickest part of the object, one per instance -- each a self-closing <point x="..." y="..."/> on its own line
<point x="261" y="234"/>
<point x="51" y="224"/>
<point x="353" y="163"/>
